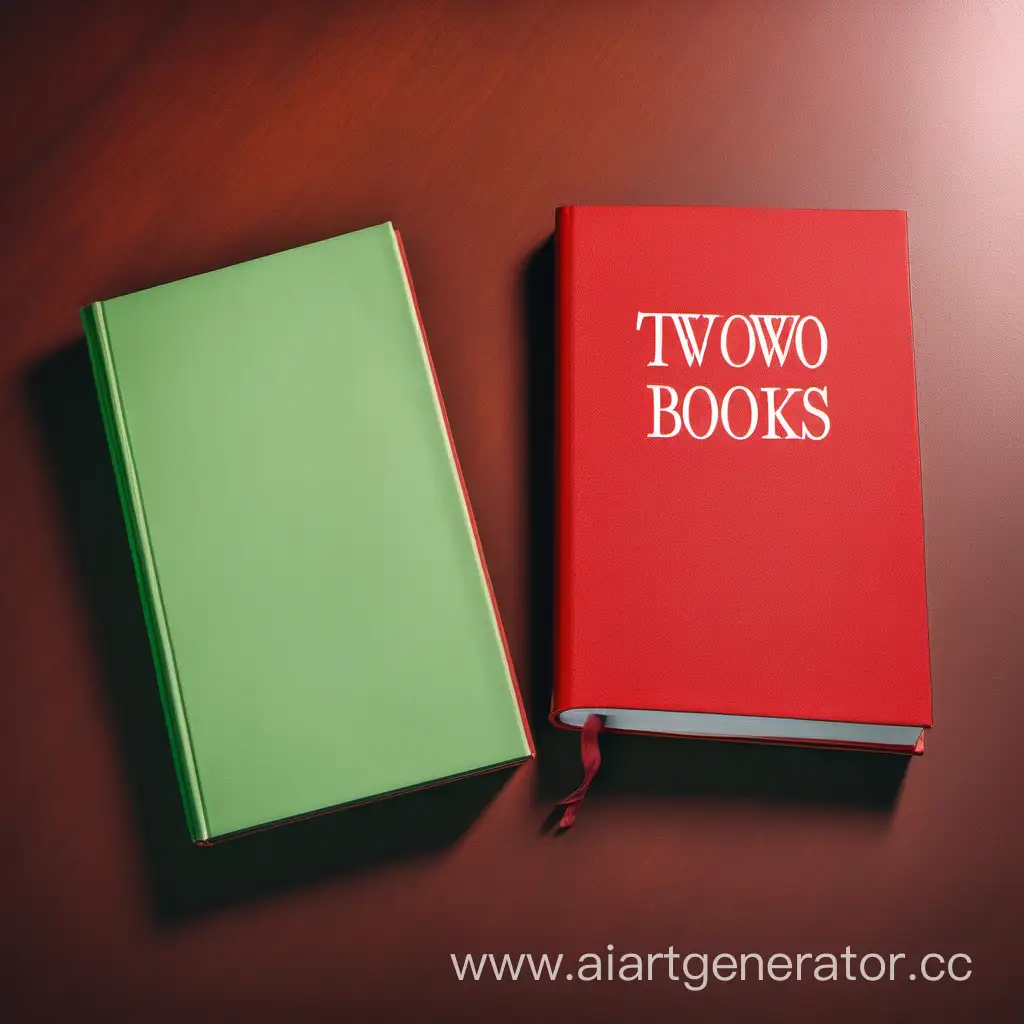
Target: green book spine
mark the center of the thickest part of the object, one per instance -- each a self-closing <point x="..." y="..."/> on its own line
<point x="105" y="376"/>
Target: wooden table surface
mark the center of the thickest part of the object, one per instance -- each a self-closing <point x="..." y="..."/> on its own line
<point x="147" y="141"/>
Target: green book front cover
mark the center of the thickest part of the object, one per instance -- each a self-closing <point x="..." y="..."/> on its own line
<point x="322" y="623"/>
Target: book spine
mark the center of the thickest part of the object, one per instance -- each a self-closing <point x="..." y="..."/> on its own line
<point x="905" y="238"/>
<point x="105" y="376"/>
<point x="560" y="694"/>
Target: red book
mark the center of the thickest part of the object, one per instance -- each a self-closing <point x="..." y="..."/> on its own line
<point x="740" y="537"/>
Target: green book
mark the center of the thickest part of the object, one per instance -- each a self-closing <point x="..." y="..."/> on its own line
<point x="320" y="614"/>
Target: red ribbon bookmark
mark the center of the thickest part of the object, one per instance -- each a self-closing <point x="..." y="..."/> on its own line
<point x="590" y="753"/>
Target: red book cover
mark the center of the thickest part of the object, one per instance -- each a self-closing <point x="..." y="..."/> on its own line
<point x="739" y="523"/>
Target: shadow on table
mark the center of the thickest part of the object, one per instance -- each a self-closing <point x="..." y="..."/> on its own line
<point x="859" y="780"/>
<point x="189" y="881"/>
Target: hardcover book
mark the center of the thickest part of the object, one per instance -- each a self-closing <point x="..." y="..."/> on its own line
<point x="322" y="622"/>
<point x="739" y="524"/>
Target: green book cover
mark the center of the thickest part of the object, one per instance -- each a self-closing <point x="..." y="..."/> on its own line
<point x="319" y="610"/>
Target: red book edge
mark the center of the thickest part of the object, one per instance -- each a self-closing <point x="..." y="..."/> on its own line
<point x="563" y="534"/>
<point x="880" y="748"/>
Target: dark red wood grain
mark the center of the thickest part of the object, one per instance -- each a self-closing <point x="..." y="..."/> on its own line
<point x="146" y="141"/>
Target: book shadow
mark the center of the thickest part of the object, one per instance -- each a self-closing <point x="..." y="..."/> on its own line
<point x="861" y="781"/>
<point x="187" y="881"/>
